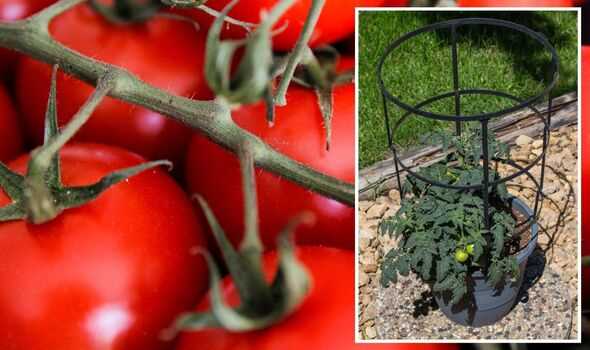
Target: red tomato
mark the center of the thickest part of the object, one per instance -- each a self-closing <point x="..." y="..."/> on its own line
<point x="585" y="23"/>
<point x="298" y="132"/>
<point x="336" y="21"/>
<point x="164" y="52"/>
<point x="397" y="3"/>
<point x="586" y="169"/>
<point x="325" y="320"/>
<point x="10" y="134"/>
<point x="108" y="275"/>
<point x="11" y="10"/>
<point x="515" y="3"/>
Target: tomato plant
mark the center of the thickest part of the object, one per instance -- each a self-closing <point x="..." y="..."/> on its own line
<point x="298" y="133"/>
<point x="336" y="20"/>
<point x="107" y="275"/>
<point x="11" y="10"/>
<point x="10" y="132"/>
<point x="164" y="52"/>
<point x="460" y="215"/>
<point x="585" y="169"/>
<point x="325" y="320"/>
<point x="515" y="3"/>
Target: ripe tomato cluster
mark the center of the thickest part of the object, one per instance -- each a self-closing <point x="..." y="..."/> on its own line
<point x="115" y="272"/>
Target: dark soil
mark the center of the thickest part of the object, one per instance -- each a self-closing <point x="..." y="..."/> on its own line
<point x="522" y="232"/>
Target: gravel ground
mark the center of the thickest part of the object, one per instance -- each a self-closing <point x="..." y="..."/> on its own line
<point x="546" y="311"/>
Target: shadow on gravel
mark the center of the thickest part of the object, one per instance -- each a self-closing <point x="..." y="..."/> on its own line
<point x="534" y="270"/>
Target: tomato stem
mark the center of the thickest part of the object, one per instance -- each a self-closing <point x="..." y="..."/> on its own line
<point x="247" y="277"/>
<point x="201" y="5"/>
<point x="251" y="244"/>
<point x="299" y="50"/>
<point x="262" y="304"/>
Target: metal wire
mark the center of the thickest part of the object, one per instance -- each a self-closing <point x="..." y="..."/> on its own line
<point x="483" y="118"/>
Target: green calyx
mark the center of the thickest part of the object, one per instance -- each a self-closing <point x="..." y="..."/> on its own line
<point x="252" y="80"/>
<point x="127" y="11"/>
<point x="318" y="71"/>
<point x="39" y="196"/>
<point x="262" y="304"/>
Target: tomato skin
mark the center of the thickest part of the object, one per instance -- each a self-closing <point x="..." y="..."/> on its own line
<point x="585" y="172"/>
<point x="461" y="255"/>
<point x="336" y="20"/>
<point x="11" y="143"/>
<point x="585" y="25"/>
<point x="108" y="275"/>
<point x="515" y="3"/>
<point x="396" y="3"/>
<point x="145" y="49"/>
<point x="325" y="320"/>
<point x="298" y="132"/>
<point x="11" y="10"/>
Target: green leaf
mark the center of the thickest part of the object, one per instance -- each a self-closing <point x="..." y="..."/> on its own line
<point x="498" y="239"/>
<point x="444" y="285"/>
<point x="495" y="274"/>
<point x="403" y="267"/>
<point x="389" y="268"/>
<point x="442" y="269"/>
<point x="477" y="250"/>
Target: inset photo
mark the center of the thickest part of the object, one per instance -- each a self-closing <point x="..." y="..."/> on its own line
<point x="468" y="175"/>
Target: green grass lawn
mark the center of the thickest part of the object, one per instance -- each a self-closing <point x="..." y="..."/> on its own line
<point x="489" y="57"/>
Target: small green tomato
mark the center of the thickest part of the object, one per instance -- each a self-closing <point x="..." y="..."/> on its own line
<point x="469" y="249"/>
<point x="461" y="255"/>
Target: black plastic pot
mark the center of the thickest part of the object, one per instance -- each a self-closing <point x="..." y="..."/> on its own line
<point x="491" y="303"/>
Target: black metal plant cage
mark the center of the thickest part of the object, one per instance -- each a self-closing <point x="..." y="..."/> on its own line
<point x="483" y="118"/>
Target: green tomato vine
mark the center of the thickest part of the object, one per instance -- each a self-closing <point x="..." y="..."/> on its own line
<point x="441" y="232"/>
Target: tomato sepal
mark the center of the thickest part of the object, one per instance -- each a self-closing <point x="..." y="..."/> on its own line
<point x="252" y="77"/>
<point x="40" y="196"/>
<point x="262" y="304"/>
<point x="320" y="74"/>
